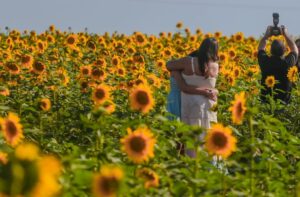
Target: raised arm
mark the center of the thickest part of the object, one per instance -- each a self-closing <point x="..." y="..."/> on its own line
<point x="291" y="44"/>
<point x="178" y="64"/>
<point x="210" y="93"/>
<point x="263" y="41"/>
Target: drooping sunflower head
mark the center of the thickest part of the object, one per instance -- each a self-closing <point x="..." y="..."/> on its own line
<point x="150" y="178"/>
<point x="220" y="141"/>
<point x="12" y="129"/>
<point x="139" y="144"/>
<point x="293" y="74"/>
<point x="141" y="98"/>
<point x="238" y="108"/>
<point x="45" y="104"/>
<point x="107" y="182"/>
<point x="270" y="81"/>
<point x="100" y="94"/>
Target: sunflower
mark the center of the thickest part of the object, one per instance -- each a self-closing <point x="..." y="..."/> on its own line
<point x="27" y="151"/>
<point x="100" y="62"/>
<point x="293" y="74"/>
<point x="120" y="71"/>
<point x="50" y="39"/>
<point x="219" y="141"/>
<point x="218" y="34"/>
<point x="140" y="39"/>
<point x="12" y="68"/>
<point x="139" y="144"/>
<point x="45" y="104"/>
<point x="141" y="98"/>
<point x="49" y="170"/>
<point x="91" y="45"/>
<point x="41" y="46"/>
<point x="3" y="158"/>
<point x="270" y="81"/>
<point x="38" y="67"/>
<point x="107" y="182"/>
<point x="98" y="74"/>
<point x="51" y="28"/>
<point x="4" y="91"/>
<point x="100" y="94"/>
<point x="109" y="106"/>
<point x="116" y="61"/>
<point x="71" y="41"/>
<point x="150" y="177"/>
<point x="161" y="63"/>
<point x="12" y="129"/>
<point x="232" y="53"/>
<point x="167" y="52"/>
<point x="27" y="60"/>
<point x="179" y="25"/>
<point x="239" y="37"/>
<point x="85" y="70"/>
<point x="238" y="108"/>
<point x="223" y="57"/>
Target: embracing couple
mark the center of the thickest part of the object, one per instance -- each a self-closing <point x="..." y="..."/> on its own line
<point x="193" y="92"/>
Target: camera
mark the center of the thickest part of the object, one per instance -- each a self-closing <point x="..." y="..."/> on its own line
<point x="275" y="30"/>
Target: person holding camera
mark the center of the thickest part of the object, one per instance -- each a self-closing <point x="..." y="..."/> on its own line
<point x="277" y="65"/>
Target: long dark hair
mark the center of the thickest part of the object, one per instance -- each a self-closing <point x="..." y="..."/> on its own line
<point x="208" y="51"/>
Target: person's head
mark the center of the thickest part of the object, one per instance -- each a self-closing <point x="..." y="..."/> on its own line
<point x="277" y="48"/>
<point x="208" y="51"/>
<point x="298" y="44"/>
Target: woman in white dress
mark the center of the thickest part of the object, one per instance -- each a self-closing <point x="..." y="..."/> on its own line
<point x="199" y="69"/>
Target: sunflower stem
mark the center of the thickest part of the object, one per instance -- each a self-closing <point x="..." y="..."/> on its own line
<point x="196" y="169"/>
<point x="252" y="156"/>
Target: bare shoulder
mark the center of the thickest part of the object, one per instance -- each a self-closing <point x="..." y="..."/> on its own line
<point x="213" y="69"/>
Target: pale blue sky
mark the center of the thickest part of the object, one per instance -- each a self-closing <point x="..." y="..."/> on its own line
<point x="150" y="16"/>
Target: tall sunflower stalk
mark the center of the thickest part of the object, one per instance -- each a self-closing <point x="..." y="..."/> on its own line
<point x="250" y="120"/>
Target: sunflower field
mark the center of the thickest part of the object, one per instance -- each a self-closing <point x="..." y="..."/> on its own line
<point x="84" y="114"/>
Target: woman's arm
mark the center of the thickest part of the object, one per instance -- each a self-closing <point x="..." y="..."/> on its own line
<point x="210" y="93"/>
<point x="179" y="64"/>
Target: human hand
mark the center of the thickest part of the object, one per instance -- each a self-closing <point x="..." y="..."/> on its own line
<point x="283" y="30"/>
<point x="211" y="94"/>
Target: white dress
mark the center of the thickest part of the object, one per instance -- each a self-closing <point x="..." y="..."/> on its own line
<point x="195" y="109"/>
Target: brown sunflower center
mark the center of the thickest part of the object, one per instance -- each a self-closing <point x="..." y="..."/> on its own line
<point x="85" y="71"/>
<point x="39" y="66"/>
<point x="115" y="62"/>
<point x="25" y="59"/>
<point x="219" y="139"/>
<point x="100" y="93"/>
<point x="239" y="109"/>
<point x="71" y="40"/>
<point x="137" y="144"/>
<point x="11" y="129"/>
<point x="142" y="98"/>
<point x="96" y="72"/>
<point x="108" y="185"/>
<point x="140" y="39"/>
<point x="12" y="66"/>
